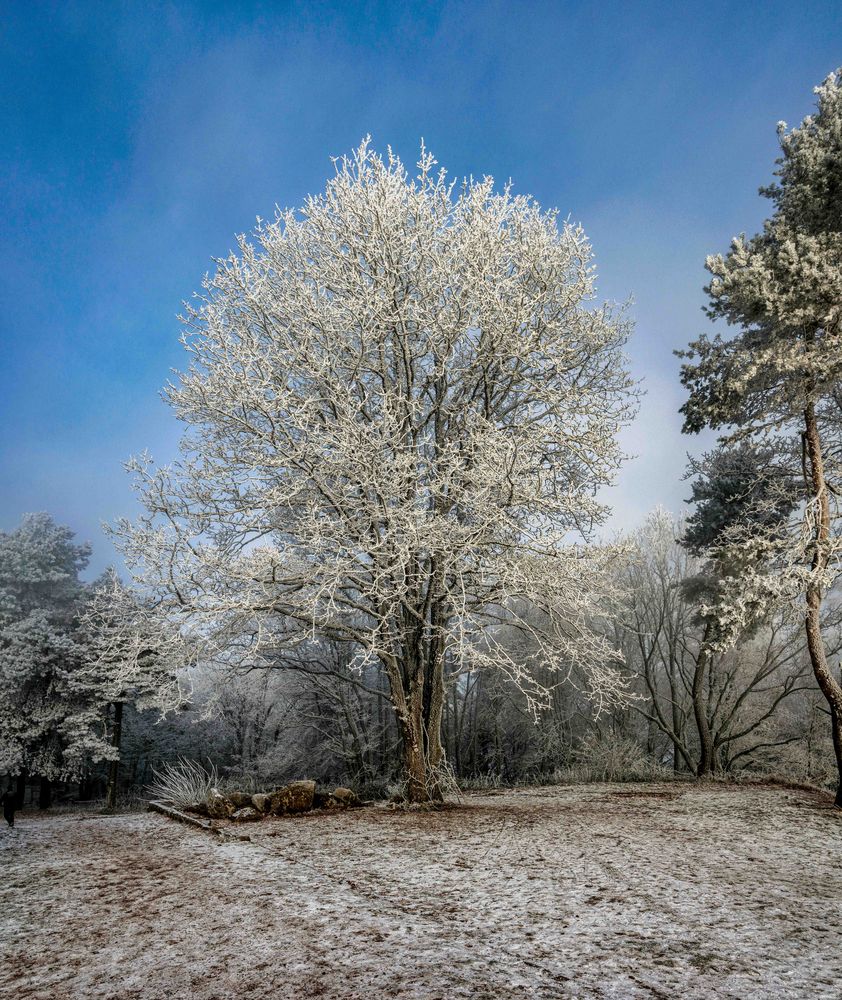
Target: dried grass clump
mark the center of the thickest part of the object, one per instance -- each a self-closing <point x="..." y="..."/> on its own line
<point x="184" y="782"/>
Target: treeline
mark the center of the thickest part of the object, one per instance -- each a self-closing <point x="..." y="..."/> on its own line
<point x="320" y="716"/>
<point x="757" y="702"/>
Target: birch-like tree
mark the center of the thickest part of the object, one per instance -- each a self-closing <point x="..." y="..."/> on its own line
<point x="401" y="403"/>
<point x="778" y="381"/>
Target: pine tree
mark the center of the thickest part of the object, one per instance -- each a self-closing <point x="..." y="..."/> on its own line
<point x="778" y="380"/>
<point x="41" y="650"/>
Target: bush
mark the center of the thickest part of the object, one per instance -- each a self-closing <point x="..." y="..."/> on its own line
<point x="613" y="758"/>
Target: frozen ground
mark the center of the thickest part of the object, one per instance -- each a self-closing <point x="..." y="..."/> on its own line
<point x="667" y="891"/>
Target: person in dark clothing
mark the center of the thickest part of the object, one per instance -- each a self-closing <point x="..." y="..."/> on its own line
<point x="8" y="801"/>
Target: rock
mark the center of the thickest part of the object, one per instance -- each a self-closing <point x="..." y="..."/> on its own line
<point x="248" y="814"/>
<point x="345" y="797"/>
<point x="240" y="799"/>
<point x="198" y="807"/>
<point x="295" y="797"/>
<point x="261" y="802"/>
<point x="219" y="807"/>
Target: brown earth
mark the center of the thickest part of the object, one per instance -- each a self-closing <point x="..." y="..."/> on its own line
<point x="588" y="891"/>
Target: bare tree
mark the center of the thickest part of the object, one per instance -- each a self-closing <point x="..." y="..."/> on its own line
<point x="717" y="706"/>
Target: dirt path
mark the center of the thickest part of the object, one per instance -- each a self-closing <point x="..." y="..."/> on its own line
<point x="597" y="891"/>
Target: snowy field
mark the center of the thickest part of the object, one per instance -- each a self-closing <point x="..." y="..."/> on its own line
<point x="666" y="891"/>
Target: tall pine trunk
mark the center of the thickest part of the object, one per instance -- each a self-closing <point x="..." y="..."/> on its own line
<point x="45" y="793"/>
<point x="114" y="768"/>
<point x="830" y="687"/>
<point x="20" y="789"/>
<point x="706" y="763"/>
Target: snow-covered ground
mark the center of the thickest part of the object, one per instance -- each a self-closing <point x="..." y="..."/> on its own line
<point x="670" y="891"/>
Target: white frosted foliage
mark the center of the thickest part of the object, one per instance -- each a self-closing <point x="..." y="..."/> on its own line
<point x="401" y="404"/>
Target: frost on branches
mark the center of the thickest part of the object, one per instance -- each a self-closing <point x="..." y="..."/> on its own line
<point x="401" y="401"/>
<point x="46" y="724"/>
<point x="133" y="653"/>
<point x="778" y="381"/>
<point x="68" y="651"/>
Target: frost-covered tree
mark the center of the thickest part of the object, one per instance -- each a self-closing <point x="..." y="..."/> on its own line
<point x="402" y="402"/>
<point x="740" y="486"/>
<point x="132" y="655"/>
<point x="659" y="635"/>
<point x="69" y="652"/>
<point x="44" y="727"/>
<point x="741" y="491"/>
<point x="778" y="380"/>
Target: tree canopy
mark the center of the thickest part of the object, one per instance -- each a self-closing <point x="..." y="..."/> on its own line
<point x="401" y="405"/>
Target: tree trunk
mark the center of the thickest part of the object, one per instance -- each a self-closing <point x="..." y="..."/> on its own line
<point x="672" y="671"/>
<point x="45" y="793"/>
<point x="406" y="695"/>
<point x="419" y="713"/>
<point x="114" y="768"/>
<point x="830" y="687"/>
<point x="836" y="721"/>
<point x="705" y="765"/>
<point x="411" y="722"/>
<point x="20" y="790"/>
<point x="457" y="731"/>
<point x="414" y="765"/>
<point x="433" y="716"/>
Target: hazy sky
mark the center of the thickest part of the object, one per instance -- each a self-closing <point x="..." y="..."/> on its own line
<point x="137" y="139"/>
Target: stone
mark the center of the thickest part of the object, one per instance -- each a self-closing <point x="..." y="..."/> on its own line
<point x="295" y="797"/>
<point x="240" y="799"/>
<point x="248" y="814"/>
<point x="219" y="807"/>
<point x="345" y="797"/>
<point x="261" y="802"/>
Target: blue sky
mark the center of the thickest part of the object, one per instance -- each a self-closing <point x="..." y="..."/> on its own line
<point x="137" y="139"/>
